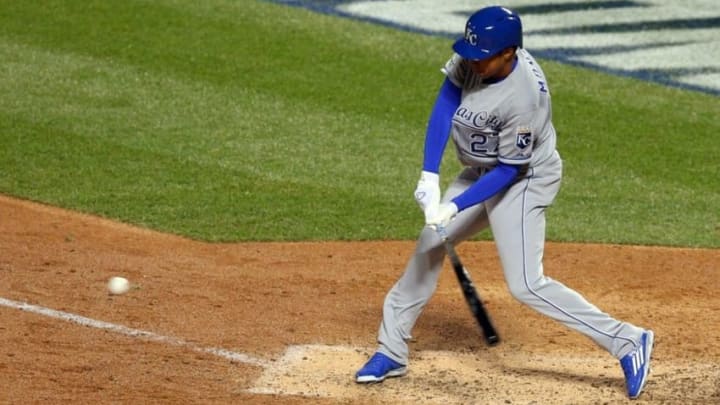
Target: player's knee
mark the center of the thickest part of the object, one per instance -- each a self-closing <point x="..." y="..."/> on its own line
<point x="526" y="290"/>
<point x="429" y="243"/>
<point x="521" y="292"/>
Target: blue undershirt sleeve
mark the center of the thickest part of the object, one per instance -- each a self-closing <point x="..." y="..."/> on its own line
<point x="487" y="186"/>
<point x="438" y="129"/>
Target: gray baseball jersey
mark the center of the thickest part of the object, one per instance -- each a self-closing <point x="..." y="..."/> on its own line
<point x="509" y="121"/>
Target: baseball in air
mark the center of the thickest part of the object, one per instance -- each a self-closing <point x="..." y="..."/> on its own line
<point x="118" y="285"/>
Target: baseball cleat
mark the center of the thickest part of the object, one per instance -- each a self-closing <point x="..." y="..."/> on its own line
<point x="378" y="368"/>
<point x="636" y="365"/>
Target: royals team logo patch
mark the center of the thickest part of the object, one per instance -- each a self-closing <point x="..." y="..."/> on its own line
<point x="524" y="137"/>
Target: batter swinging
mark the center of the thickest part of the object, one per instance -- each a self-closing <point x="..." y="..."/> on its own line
<point x="495" y="103"/>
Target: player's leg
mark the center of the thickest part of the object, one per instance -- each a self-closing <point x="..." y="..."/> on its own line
<point x="518" y="223"/>
<point x="407" y="298"/>
<point x="517" y="220"/>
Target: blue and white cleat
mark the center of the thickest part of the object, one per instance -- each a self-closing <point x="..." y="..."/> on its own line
<point x="378" y="368"/>
<point x="636" y="365"/>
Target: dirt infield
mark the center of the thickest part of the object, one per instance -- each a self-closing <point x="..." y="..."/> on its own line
<point x="258" y="323"/>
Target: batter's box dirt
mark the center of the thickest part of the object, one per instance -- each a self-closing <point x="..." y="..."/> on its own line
<point x="309" y="312"/>
<point x="491" y="376"/>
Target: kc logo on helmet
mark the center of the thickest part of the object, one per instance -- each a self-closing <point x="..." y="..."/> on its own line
<point x="470" y="37"/>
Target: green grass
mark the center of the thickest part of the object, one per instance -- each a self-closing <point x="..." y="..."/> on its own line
<point x="233" y="121"/>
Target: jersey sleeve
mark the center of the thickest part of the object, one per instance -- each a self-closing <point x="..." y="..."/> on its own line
<point x="438" y="129"/>
<point x="516" y="139"/>
<point x="490" y="184"/>
<point x="456" y="69"/>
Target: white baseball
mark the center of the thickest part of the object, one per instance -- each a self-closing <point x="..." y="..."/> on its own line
<point x="118" y="285"/>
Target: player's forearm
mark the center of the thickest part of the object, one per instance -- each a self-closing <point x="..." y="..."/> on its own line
<point x="487" y="186"/>
<point x="438" y="129"/>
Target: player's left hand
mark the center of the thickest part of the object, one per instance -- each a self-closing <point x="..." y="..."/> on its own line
<point x="445" y="213"/>
<point x="427" y="193"/>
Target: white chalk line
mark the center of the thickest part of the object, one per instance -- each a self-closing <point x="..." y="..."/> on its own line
<point x="136" y="333"/>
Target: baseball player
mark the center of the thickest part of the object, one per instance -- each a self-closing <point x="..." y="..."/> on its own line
<point x="495" y="104"/>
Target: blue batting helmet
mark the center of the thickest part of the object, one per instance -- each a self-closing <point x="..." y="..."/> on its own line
<point x="488" y="32"/>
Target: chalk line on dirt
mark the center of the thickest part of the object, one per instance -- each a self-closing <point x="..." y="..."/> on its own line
<point x="137" y="333"/>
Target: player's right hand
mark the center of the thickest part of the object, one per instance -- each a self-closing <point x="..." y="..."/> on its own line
<point x="443" y="215"/>
<point x="427" y="193"/>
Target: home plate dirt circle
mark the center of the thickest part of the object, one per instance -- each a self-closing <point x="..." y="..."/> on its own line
<point x="435" y="377"/>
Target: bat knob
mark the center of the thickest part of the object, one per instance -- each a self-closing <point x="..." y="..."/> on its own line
<point x="492" y="340"/>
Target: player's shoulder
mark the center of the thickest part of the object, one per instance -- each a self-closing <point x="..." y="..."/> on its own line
<point x="456" y="69"/>
<point x="528" y="60"/>
<point x="533" y="77"/>
<point x="526" y="54"/>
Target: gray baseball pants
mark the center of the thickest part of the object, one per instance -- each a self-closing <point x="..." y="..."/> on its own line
<point x="517" y="220"/>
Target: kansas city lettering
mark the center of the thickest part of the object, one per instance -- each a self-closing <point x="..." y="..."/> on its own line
<point x="480" y="119"/>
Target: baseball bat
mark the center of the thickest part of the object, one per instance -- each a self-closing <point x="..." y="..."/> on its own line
<point x="470" y="293"/>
